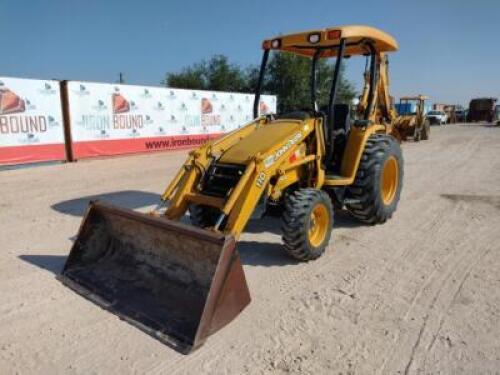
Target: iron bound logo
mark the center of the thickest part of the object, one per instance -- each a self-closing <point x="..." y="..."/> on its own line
<point x="206" y="106"/>
<point x="208" y="117"/>
<point x="263" y="108"/>
<point x="122" y="119"/>
<point x="120" y="104"/>
<point x="10" y="102"/>
<point x="15" y="120"/>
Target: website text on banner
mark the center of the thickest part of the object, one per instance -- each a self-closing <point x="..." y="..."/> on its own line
<point x="31" y="125"/>
<point x="109" y="119"/>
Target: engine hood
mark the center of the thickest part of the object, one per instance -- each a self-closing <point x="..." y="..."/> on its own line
<point x="262" y="140"/>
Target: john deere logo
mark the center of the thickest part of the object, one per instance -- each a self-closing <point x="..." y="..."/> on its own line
<point x="100" y="106"/>
<point x="146" y="94"/>
<point x="134" y="133"/>
<point x="52" y="122"/>
<point x="148" y="119"/>
<point x="82" y="90"/>
<point x="47" y="89"/>
<point x="30" y="138"/>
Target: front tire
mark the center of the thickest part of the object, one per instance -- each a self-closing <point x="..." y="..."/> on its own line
<point x="202" y="216"/>
<point x="426" y="130"/>
<point x="375" y="193"/>
<point x="417" y="135"/>
<point x="307" y="223"/>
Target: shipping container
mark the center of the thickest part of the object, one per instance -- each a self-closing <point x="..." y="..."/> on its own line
<point x="482" y="109"/>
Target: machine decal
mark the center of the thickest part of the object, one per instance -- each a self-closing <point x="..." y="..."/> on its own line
<point x="261" y="179"/>
<point x="272" y="158"/>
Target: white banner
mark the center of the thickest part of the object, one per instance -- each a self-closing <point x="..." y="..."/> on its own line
<point x="31" y="126"/>
<point x="102" y="112"/>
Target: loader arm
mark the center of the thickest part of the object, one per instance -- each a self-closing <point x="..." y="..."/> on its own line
<point x="386" y="106"/>
<point x="256" y="170"/>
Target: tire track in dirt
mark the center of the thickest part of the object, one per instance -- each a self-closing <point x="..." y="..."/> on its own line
<point x="288" y="280"/>
<point x="438" y="290"/>
<point x="346" y="312"/>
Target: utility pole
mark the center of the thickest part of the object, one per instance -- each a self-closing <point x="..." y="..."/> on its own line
<point x="120" y="78"/>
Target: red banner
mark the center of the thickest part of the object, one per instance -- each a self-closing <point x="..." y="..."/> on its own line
<point x="137" y="145"/>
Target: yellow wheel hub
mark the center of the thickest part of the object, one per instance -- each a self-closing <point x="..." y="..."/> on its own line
<point x="319" y="223"/>
<point x="389" y="180"/>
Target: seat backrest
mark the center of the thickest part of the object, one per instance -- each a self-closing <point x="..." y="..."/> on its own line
<point x="341" y="120"/>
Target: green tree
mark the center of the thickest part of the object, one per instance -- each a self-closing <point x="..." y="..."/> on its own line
<point x="191" y="77"/>
<point x="288" y="77"/>
<point x="213" y="74"/>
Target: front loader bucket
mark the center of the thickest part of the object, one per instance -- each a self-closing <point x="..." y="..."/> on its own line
<point x="177" y="283"/>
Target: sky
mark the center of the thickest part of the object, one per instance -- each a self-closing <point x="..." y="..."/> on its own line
<point x="448" y="48"/>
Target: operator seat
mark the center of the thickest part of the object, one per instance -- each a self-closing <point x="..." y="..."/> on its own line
<point x="341" y="119"/>
<point x="341" y="127"/>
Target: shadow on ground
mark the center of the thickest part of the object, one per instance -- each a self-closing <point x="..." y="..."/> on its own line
<point x="132" y="199"/>
<point x="272" y="224"/>
<point x="252" y="253"/>
<point x="265" y="254"/>
<point x="480" y="124"/>
<point x="52" y="263"/>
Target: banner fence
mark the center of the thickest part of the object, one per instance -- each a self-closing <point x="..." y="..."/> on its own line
<point x="71" y="120"/>
<point x="31" y="124"/>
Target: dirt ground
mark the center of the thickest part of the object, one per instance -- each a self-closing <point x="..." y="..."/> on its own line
<point x="419" y="294"/>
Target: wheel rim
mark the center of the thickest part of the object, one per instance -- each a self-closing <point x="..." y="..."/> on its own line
<point x="318" y="226"/>
<point x="390" y="179"/>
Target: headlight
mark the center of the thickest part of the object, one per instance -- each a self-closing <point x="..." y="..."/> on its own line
<point x="276" y="43"/>
<point x="314" y="38"/>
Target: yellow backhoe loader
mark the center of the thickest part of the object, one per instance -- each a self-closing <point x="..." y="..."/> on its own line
<point x="180" y="283"/>
<point x="409" y="123"/>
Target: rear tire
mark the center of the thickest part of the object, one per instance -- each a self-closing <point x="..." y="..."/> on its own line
<point x="307" y="223"/>
<point x="374" y="195"/>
